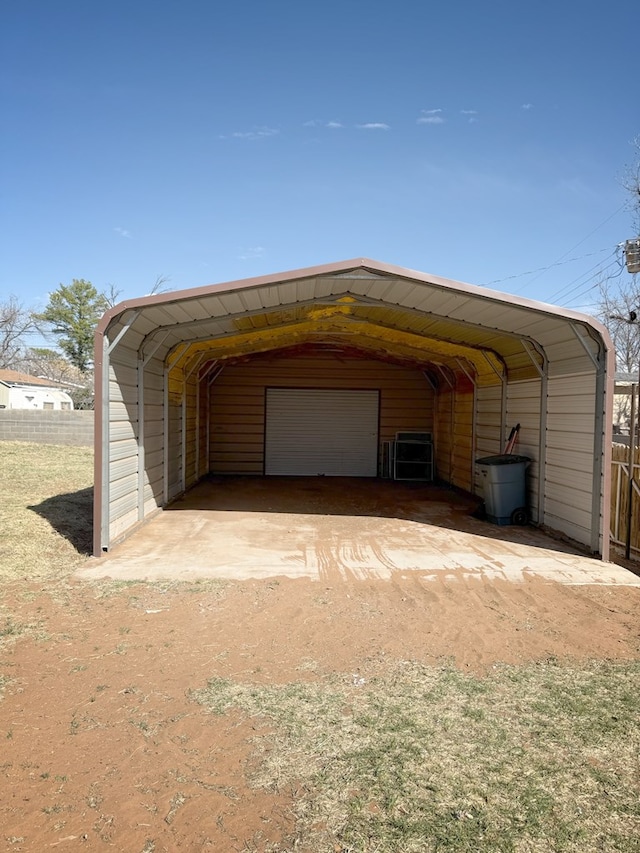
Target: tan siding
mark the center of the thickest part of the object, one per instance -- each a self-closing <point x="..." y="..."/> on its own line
<point x="202" y="466"/>
<point x="175" y="448"/>
<point x="127" y="447"/>
<point x="488" y="421"/>
<point x="191" y="476"/>
<point x="238" y="395"/>
<point x="462" y="475"/>
<point x="523" y="407"/>
<point x="443" y="438"/>
<point x="122" y="430"/>
<point x="453" y="436"/>
<point x="570" y="443"/>
<point x="120" y="524"/>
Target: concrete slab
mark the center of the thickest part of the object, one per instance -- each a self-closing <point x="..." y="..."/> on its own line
<point x="333" y="528"/>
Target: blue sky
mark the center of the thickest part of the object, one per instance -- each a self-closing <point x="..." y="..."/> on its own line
<point x="209" y="141"/>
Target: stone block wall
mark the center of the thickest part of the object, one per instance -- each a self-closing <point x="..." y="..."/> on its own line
<point x="47" y="427"/>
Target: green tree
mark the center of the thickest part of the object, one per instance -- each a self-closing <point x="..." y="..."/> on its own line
<point x="72" y="315"/>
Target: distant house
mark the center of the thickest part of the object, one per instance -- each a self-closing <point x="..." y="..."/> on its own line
<point x="21" y="391"/>
<point x="625" y="383"/>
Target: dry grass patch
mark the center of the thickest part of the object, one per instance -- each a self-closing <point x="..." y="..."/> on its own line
<point x="45" y="509"/>
<point x="539" y="758"/>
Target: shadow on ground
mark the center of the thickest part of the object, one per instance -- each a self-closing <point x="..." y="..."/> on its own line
<point x="71" y="515"/>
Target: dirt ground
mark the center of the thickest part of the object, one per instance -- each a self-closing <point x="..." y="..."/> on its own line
<point x="102" y="745"/>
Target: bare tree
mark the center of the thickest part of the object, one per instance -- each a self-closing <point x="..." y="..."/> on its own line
<point x="616" y="309"/>
<point x="15" y="324"/>
<point x="631" y="183"/>
<point x="619" y="306"/>
<point x="49" y="364"/>
<point x="161" y="285"/>
<point x="111" y="295"/>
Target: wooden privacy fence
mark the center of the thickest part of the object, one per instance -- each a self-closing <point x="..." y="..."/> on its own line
<point x="620" y="498"/>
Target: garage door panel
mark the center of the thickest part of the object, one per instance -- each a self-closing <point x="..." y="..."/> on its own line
<point x="321" y="432"/>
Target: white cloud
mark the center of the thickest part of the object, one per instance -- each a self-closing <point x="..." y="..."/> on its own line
<point x="430" y="120"/>
<point x="469" y="112"/>
<point x="251" y="253"/>
<point x="526" y="107"/>
<point x="430" y="117"/>
<point x="373" y="125"/>
<point x="123" y="232"/>
<point x="317" y="123"/>
<point x="257" y="133"/>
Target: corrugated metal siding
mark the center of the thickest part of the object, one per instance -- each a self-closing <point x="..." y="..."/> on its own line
<point x="123" y="433"/>
<point x="153" y="434"/>
<point x="311" y="431"/>
<point x="237" y="400"/>
<point x="570" y="441"/>
<point x="462" y="455"/>
<point x="191" y="475"/>
<point x="453" y="436"/>
<point x="443" y="433"/>
<point x="489" y="430"/>
<point x="202" y="467"/>
<point x="523" y="407"/>
<point x="488" y="421"/>
<point x="174" y="472"/>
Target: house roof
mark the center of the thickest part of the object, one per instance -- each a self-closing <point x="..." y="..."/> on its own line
<point x="15" y="377"/>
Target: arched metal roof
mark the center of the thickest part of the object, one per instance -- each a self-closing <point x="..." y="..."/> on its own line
<point x="450" y="330"/>
<point x="386" y="310"/>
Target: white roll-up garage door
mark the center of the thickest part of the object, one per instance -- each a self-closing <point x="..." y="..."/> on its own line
<point x="319" y="431"/>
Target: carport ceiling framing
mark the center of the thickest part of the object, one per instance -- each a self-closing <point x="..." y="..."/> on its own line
<point x="420" y="335"/>
<point x="378" y="341"/>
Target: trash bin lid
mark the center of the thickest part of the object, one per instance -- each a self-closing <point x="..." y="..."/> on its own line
<point x="502" y="459"/>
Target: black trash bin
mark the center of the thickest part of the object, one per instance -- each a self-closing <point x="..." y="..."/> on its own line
<point x="504" y="488"/>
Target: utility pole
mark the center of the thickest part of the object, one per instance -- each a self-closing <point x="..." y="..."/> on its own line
<point x="632" y="255"/>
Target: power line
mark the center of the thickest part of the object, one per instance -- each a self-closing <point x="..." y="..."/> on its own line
<point x="590" y="288"/>
<point x="597" y="271"/>
<point x="590" y="234"/>
<point x="544" y="269"/>
<point x="563" y="258"/>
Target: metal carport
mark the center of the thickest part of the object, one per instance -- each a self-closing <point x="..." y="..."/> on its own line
<point x="182" y="378"/>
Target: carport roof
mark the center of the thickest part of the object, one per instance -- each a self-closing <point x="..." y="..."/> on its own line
<point x="383" y="310"/>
